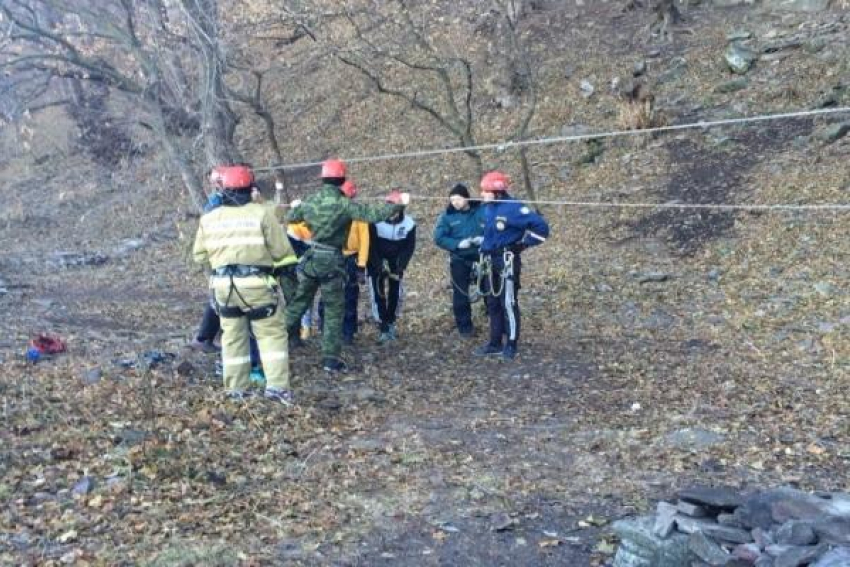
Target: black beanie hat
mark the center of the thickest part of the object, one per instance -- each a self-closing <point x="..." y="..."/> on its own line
<point x="460" y="189"/>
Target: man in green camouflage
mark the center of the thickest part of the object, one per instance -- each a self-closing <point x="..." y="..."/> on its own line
<point x="328" y="215"/>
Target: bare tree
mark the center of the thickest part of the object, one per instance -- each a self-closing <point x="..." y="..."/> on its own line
<point x="438" y="71"/>
<point x="165" y="58"/>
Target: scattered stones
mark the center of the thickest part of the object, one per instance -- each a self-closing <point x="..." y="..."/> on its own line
<point x="640" y="547"/>
<point x="798" y="5"/>
<point x="715" y="497"/>
<point x="790" y="528"/>
<point x="704" y="548"/>
<point x="690" y="509"/>
<point x="738" y="35"/>
<point x="833" y="132"/>
<point x="693" y="439"/>
<point x="77" y="259"/>
<point x="797" y="556"/>
<point x="838" y="557"/>
<point x="665" y="519"/>
<point x="796" y="533"/>
<point x="739" y="58"/>
<point x="735" y="85"/>
<point x="646" y="277"/>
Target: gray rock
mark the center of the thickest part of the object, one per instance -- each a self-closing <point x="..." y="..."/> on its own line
<point x="735" y="85"/>
<point x="665" y="519"/>
<point x="739" y="58"/>
<point x="762" y="538"/>
<point x="833" y="132"/>
<point x="691" y="509"/>
<point x="640" y="547"/>
<point x="738" y="35"/>
<point x="92" y="376"/>
<point x="713" y="530"/>
<point x="763" y="509"/>
<point x="797" y="556"/>
<point x="795" y="532"/>
<point x="838" y="557"/>
<point x="797" y="5"/>
<point x="764" y="561"/>
<point x="722" y="497"/>
<point x="679" y="66"/>
<point x="83" y="486"/>
<point x="707" y="550"/>
<point x="587" y="89"/>
<point x="639" y="68"/>
<point x="834" y="530"/>
<point x="693" y="439"/>
<point x="726" y="519"/>
<point x="747" y="551"/>
<point x="646" y="277"/>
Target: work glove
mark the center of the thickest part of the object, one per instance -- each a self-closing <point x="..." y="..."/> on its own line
<point x="464" y="244"/>
<point x="398" y="198"/>
<point x="477" y="240"/>
<point x="295" y="203"/>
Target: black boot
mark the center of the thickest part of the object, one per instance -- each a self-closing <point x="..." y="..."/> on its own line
<point x="295" y="337"/>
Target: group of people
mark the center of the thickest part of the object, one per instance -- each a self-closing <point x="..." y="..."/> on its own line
<point x="332" y="244"/>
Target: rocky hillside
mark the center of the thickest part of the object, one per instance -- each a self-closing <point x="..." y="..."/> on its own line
<point x="661" y="347"/>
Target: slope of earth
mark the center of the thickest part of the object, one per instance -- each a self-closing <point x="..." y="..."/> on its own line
<point x="659" y="349"/>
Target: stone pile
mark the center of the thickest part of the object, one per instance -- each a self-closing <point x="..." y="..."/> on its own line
<point x="722" y="527"/>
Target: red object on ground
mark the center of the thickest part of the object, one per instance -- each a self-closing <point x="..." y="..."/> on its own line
<point x="46" y="344"/>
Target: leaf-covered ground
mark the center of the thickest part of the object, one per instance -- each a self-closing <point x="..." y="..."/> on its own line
<point x="659" y="350"/>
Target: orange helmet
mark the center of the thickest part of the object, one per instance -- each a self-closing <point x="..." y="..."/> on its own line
<point x="349" y="189"/>
<point x="495" y="182"/>
<point x="333" y="168"/>
<point x="232" y="177"/>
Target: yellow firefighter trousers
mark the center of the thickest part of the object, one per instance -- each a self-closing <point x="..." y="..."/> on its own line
<point x="235" y="332"/>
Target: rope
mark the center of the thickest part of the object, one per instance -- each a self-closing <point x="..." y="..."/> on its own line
<point x="502" y="146"/>
<point x="836" y="207"/>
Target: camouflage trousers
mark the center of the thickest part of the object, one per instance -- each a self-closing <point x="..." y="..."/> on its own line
<point x="324" y="270"/>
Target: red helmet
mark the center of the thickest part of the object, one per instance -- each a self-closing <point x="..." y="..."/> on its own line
<point x="394" y="197"/>
<point x="349" y="189"/>
<point x="232" y="176"/>
<point x="495" y="182"/>
<point x="333" y="168"/>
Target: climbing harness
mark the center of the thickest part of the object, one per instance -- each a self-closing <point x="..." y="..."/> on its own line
<point x="253" y="313"/>
<point x="484" y="276"/>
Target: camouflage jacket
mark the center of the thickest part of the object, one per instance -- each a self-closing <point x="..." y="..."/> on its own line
<point x="328" y="214"/>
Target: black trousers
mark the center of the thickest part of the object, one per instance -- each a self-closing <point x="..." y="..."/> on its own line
<point x="386" y="290"/>
<point x="210" y="325"/>
<point x="503" y="299"/>
<point x="461" y="274"/>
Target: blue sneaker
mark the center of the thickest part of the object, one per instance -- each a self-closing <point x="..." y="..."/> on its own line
<point x="393" y="332"/>
<point x="384" y="338"/>
<point x="257" y="377"/>
<point x="488" y="350"/>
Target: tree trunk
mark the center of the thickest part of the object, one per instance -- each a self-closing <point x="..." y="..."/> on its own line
<point x="526" y="173"/>
<point x="191" y="183"/>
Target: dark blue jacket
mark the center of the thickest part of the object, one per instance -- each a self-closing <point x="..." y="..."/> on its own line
<point x="509" y="223"/>
<point x="454" y="225"/>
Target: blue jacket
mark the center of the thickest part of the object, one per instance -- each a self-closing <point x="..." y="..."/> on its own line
<point x="454" y="225"/>
<point x="510" y="223"/>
